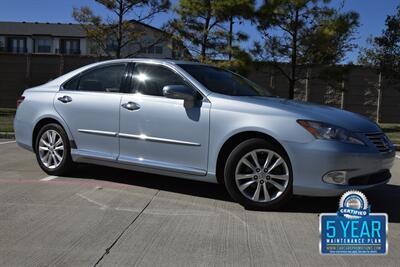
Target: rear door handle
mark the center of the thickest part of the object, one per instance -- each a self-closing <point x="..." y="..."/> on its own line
<point x="131" y="106"/>
<point x="65" y="99"/>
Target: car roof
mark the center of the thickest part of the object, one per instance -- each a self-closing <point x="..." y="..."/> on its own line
<point x="154" y="60"/>
<point x="58" y="81"/>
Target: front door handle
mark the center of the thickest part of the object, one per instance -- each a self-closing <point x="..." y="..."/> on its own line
<point x="65" y="99"/>
<point x="131" y="106"/>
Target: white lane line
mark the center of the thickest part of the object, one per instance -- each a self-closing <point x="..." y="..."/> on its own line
<point x="398" y="156"/>
<point x="8" y="142"/>
<point x="49" y="178"/>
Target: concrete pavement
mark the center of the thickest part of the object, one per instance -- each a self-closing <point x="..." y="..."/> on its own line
<point x="103" y="216"/>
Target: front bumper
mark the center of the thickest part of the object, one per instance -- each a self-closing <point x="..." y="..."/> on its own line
<point x="366" y="167"/>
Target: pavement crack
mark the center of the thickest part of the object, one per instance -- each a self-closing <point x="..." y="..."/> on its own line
<point x="108" y="249"/>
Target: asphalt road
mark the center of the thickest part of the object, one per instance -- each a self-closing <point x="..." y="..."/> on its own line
<point x="106" y="217"/>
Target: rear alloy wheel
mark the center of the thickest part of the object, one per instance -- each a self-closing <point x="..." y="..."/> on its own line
<point x="258" y="175"/>
<point x="52" y="150"/>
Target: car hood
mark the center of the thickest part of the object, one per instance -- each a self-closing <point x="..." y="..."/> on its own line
<point x="305" y="110"/>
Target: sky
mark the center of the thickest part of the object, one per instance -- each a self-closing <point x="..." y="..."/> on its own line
<point x="372" y="15"/>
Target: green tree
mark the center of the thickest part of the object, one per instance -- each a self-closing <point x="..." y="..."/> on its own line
<point x="302" y="33"/>
<point x="384" y="51"/>
<point x="235" y="12"/>
<point x="123" y="28"/>
<point x="199" y="27"/>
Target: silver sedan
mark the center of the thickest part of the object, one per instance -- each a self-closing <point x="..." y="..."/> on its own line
<point x="200" y="122"/>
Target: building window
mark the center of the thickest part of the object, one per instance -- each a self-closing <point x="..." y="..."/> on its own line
<point x="154" y="49"/>
<point x="16" y="45"/>
<point x="111" y="45"/>
<point x="70" y="46"/>
<point x="158" y="49"/>
<point x="43" y="45"/>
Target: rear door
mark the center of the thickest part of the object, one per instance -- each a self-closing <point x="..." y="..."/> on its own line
<point x="89" y="104"/>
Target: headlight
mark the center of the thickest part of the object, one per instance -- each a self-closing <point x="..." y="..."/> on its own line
<point x="326" y="131"/>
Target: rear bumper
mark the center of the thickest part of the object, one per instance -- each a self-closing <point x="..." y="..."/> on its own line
<point x="23" y="134"/>
<point x="365" y="166"/>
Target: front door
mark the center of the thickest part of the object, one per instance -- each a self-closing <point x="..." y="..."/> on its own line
<point x="160" y="132"/>
<point x="89" y="104"/>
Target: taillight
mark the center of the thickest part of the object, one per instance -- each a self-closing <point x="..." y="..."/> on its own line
<point x="20" y="100"/>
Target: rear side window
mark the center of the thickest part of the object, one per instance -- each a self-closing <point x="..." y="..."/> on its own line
<point x="72" y="84"/>
<point x="104" y="79"/>
<point x="150" y="79"/>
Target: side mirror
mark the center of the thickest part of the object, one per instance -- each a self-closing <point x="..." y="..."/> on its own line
<point x="179" y="92"/>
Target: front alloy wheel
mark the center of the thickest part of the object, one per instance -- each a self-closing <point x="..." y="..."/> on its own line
<point x="258" y="175"/>
<point x="262" y="175"/>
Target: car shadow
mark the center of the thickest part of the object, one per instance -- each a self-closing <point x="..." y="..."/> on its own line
<point x="383" y="199"/>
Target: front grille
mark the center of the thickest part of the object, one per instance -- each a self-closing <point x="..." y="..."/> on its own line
<point x="371" y="179"/>
<point x="380" y="141"/>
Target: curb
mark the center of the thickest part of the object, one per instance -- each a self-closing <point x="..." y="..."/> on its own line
<point x="6" y="135"/>
<point x="10" y="135"/>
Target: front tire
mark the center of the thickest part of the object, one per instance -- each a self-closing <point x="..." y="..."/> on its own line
<point x="258" y="175"/>
<point x="53" y="150"/>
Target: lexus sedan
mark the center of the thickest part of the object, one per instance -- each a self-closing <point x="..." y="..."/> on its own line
<point x="200" y="122"/>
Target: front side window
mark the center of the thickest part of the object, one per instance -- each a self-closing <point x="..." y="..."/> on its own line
<point x="150" y="79"/>
<point x="224" y="82"/>
<point x="103" y="79"/>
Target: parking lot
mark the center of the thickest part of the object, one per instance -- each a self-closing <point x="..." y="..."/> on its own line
<point x="103" y="216"/>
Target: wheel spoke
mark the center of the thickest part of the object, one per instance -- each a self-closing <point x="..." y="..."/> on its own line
<point x="268" y="159"/>
<point x="59" y="158"/>
<point x="53" y="137"/>
<point x="244" y="176"/>
<point x="266" y="193"/>
<point x="278" y="162"/>
<point x="247" y="184"/>
<point x="43" y="148"/>
<point x="49" y="160"/>
<point x="255" y="159"/>
<point x="50" y="141"/>
<point x="44" y="142"/>
<point x="256" y="195"/>
<point x="45" y="158"/>
<point x="59" y="147"/>
<point x="59" y="141"/>
<point x="54" y="160"/>
<point x="248" y="164"/>
<point x="283" y="177"/>
<point x="280" y="187"/>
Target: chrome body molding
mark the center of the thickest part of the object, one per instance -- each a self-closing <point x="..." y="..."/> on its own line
<point x="157" y="139"/>
<point x="97" y="132"/>
<point x="139" y="137"/>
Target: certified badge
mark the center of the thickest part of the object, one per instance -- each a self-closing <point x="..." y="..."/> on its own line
<point x="353" y="229"/>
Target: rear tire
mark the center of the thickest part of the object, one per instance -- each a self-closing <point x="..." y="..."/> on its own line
<point x="53" y="150"/>
<point x="258" y="175"/>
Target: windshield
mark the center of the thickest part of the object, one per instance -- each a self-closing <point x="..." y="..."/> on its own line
<point x="224" y="82"/>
